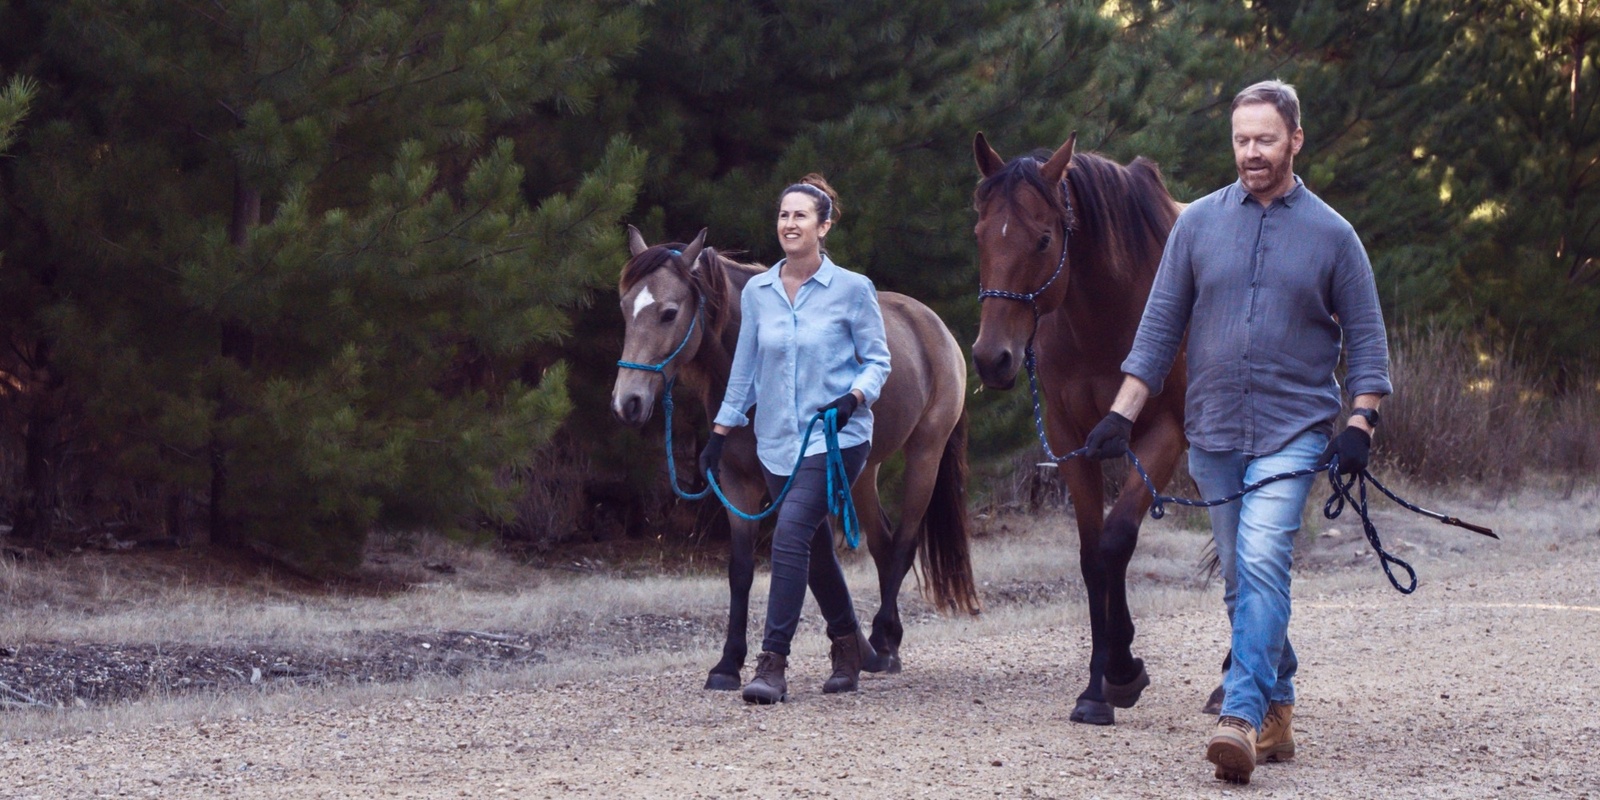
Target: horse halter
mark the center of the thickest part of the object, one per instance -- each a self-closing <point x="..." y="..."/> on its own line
<point x="661" y="366"/>
<point x="1032" y="298"/>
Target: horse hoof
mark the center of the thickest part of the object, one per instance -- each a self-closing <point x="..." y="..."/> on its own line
<point x="721" y="682"/>
<point x="1124" y="695"/>
<point x="891" y="664"/>
<point x="1214" y="702"/>
<point x="1094" y="712"/>
<point x="879" y="662"/>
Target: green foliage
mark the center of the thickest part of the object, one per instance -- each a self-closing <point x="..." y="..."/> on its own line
<point x="296" y="270"/>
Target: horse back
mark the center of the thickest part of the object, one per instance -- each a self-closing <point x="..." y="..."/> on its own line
<point x="927" y="375"/>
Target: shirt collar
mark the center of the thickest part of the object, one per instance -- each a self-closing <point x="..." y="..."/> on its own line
<point x="1289" y="199"/>
<point x="825" y="273"/>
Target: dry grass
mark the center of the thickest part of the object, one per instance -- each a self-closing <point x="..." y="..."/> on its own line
<point x="1464" y="412"/>
<point x="118" y="597"/>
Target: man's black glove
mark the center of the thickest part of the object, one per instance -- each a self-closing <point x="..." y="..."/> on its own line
<point x="1109" y="439"/>
<point x="1351" y="446"/>
<point x="711" y="457"/>
<point x="846" y="405"/>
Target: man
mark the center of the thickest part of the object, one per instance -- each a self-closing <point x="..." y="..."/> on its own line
<point x="1268" y="281"/>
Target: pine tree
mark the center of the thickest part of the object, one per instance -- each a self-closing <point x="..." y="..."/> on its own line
<point x="293" y="271"/>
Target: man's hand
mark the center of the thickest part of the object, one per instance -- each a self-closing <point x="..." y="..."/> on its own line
<point x="711" y="457"/>
<point x="846" y="405"/>
<point x="1352" y="447"/>
<point x="1109" y="439"/>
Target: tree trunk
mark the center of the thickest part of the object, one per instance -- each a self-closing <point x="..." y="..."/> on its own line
<point x="236" y="344"/>
<point x="40" y="498"/>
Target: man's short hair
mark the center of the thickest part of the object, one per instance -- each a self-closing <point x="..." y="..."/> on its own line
<point x="1277" y="94"/>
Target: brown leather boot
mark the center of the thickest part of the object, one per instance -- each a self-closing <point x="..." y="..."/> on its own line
<point x="847" y="657"/>
<point x="1276" y="742"/>
<point x="769" y="685"/>
<point x="1233" y="749"/>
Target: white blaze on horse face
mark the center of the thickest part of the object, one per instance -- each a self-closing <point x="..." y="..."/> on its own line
<point x="1003" y="227"/>
<point x="642" y="301"/>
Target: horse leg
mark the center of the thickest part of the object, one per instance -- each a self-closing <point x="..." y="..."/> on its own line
<point x="880" y="543"/>
<point x="746" y="493"/>
<point x="922" y="470"/>
<point x="1158" y="449"/>
<point x="1083" y="484"/>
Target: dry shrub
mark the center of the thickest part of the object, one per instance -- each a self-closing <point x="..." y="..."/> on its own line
<point x="1573" y="445"/>
<point x="1458" y="412"/>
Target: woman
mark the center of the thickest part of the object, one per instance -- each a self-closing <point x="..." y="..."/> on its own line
<point x="811" y="339"/>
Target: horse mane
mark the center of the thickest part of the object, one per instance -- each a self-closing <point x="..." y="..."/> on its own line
<point x="711" y="281"/>
<point x="1125" y="210"/>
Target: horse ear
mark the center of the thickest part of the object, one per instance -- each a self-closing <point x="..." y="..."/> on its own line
<point x="636" y="243"/>
<point x="989" y="162"/>
<point x="691" y="253"/>
<point x="1056" y="168"/>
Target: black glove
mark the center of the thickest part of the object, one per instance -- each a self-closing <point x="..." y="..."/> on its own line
<point x="711" y="457"/>
<point x="1109" y="439"/>
<point x="1352" y="446"/>
<point x="846" y="405"/>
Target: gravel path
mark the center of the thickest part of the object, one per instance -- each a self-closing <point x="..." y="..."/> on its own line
<point x="1482" y="684"/>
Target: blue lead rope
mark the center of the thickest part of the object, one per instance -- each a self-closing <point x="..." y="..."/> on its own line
<point x="839" y="500"/>
<point x="840" y="503"/>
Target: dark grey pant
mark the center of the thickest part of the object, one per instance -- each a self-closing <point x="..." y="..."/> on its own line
<point x="802" y="552"/>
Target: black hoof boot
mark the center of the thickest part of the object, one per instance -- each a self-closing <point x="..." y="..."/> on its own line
<point x="1093" y="712"/>
<point x="871" y="659"/>
<point x="723" y="682"/>
<point x="1214" y="702"/>
<point x="1124" y="695"/>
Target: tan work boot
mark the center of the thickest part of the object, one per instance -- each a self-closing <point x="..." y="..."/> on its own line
<point x="1233" y="749"/>
<point x="847" y="657"/>
<point x="769" y="685"/>
<point x="1276" y="742"/>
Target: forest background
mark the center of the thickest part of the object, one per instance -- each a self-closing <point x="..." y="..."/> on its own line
<point x="277" y="273"/>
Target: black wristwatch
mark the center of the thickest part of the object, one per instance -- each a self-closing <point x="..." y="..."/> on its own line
<point x="1368" y="414"/>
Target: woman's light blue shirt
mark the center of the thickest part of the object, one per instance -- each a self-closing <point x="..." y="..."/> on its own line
<point x="800" y="356"/>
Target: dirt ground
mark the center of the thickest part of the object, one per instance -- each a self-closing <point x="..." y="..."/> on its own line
<point x="1481" y="684"/>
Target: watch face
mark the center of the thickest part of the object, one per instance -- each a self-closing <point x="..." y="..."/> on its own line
<point x="1367" y="414"/>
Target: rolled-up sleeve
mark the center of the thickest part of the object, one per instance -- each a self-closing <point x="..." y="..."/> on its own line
<point x="740" y="394"/>
<point x="1355" y="301"/>
<point x="871" y="344"/>
<point x="1166" y="314"/>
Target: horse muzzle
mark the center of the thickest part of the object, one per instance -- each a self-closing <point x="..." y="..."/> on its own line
<point x="632" y="408"/>
<point x="997" y="366"/>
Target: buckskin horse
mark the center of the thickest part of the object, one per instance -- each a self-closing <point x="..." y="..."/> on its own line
<point x="1068" y="247"/>
<point x="680" y="306"/>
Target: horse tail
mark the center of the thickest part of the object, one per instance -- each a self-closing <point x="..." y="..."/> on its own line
<point x="946" y="556"/>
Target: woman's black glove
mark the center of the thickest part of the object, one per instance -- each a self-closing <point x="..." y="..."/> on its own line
<point x="1109" y="439"/>
<point x="1351" y="446"/>
<point x="711" y="457"/>
<point x="846" y="405"/>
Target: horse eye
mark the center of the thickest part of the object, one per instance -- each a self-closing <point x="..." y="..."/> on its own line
<point x="669" y="315"/>
<point x="1044" y="242"/>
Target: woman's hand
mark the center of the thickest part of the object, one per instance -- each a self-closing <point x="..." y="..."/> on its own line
<point x="711" y="457"/>
<point x="845" y="405"/>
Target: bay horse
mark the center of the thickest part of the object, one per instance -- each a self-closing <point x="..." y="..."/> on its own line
<point x="920" y="412"/>
<point x="1068" y="247"/>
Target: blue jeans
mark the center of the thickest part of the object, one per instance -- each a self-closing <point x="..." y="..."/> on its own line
<point x="1255" y="546"/>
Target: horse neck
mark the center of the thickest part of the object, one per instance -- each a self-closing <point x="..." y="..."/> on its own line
<point x="707" y="372"/>
<point x="1103" y="304"/>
